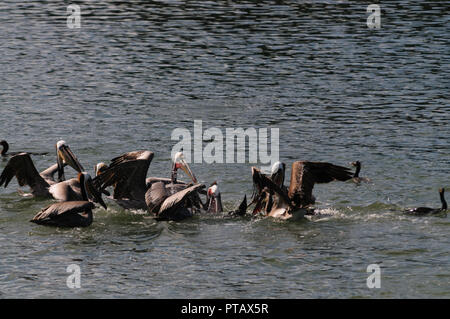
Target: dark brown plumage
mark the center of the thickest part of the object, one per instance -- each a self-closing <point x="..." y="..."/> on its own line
<point x="278" y="201"/>
<point x="44" y="184"/>
<point x="71" y="213"/>
<point x="167" y="206"/>
<point x="423" y="211"/>
<point x="127" y="174"/>
<point x="66" y="214"/>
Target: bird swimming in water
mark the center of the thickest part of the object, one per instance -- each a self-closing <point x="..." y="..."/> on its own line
<point x="5" y="149"/>
<point x="72" y="213"/>
<point x="424" y="211"/>
<point x="44" y="184"/>
<point x="356" y="179"/>
<point x="275" y="200"/>
<point x="172" y="200"/>
<point x="132" y="190"/>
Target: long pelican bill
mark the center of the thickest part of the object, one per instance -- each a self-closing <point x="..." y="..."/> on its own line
<point x="185" y="167"/>
<point x="65" y="155"/>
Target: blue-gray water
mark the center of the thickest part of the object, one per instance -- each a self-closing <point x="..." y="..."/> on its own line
<point x="337" y="90"/>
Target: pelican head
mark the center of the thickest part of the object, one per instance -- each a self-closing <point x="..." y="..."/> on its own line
<point x="65" y="155"/>
<point x="5" y="147"/>
<point x="100" y="168"/>
<point x="278" y="172"/>
<point x="180" y="162"/>
<point x="88" y="189"/>
<point x="214" y="199"/>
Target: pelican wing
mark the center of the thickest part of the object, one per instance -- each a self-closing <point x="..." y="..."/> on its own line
<point x="155" y="196"/>
<point x="23" y="168"/>
<point x="173" y="202"/>
<point x="262" y="182"/>
<point x="127" y="173"/>
<point x="64" y="208"/>
<point x="305" y="174"/>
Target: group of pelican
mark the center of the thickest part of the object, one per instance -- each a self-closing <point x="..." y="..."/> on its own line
<point x="167" y="198"/>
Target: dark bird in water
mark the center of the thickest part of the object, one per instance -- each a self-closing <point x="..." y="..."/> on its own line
<point x="174" y="200"/>
<point x="127" y="175"/>
<point x="72" y="213"/>
<point x="44" y="184"/>
<point x="167" y="206"/>
<point x="271" y="196"/>
<point x="241" y="210"/>
<point x="166" y="198"/>
<point x="356" y="177"/>
<point x="4" y="152"/>
<point x="421" y="211"/>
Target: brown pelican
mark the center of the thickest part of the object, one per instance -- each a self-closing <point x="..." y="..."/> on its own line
<point x="127" y="174"/>
<point x="5" y="148"/>
<point x="356" y="179"/>
<point x="420" y="211"/>
<point x="292" y="203"/>
<point x="72" y="213"/>
<point x="43" y="184"/>
<point x="167" y="206"/>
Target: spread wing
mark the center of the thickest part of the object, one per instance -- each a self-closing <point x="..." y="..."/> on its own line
<point x="58" y="209"/>
<point x="171" y="203"/>
<point x="263" y="183"/>
<point x="305" y="174"/>
<point x="127" y="174"/>
<point x="22" y="167"/>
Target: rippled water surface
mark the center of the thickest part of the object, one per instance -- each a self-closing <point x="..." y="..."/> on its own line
<point x="337" y="90"/>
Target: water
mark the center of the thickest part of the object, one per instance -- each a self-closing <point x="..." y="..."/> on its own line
<point x="337" y="91"/>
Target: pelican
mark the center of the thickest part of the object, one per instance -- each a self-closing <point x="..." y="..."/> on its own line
<point x="127" y="174"/>
<point x="293" y="202"/>
<point x="421" y="211"/>
<point x="5" y="148"/>
<point x="44" y="184"/>
<point x="72" y="213"/>
<point x="167" y="206"/>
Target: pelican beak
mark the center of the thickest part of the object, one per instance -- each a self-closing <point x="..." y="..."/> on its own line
<point x="61" y="165"/>
<point x="94" y="193"/>
<point x="185" y="167"/>
<point x="65" y="155"/>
